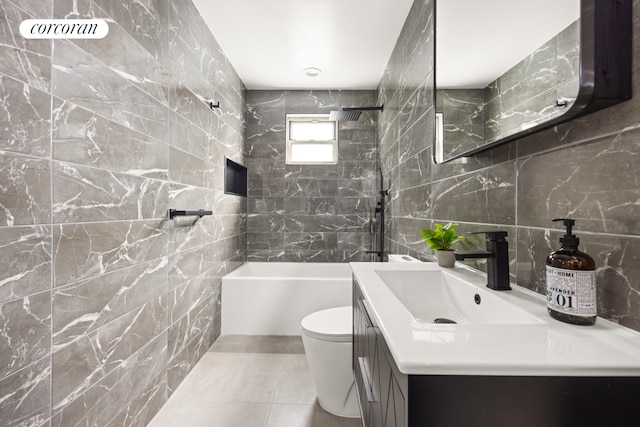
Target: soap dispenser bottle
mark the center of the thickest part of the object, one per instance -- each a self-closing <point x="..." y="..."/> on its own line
<point x="571" y="281"/>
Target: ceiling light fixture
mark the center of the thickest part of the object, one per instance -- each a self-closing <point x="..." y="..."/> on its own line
<point x="312" y="71"/>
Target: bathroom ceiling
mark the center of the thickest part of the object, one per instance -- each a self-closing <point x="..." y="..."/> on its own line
<point x="491" y="36"/>
<point x="271" y="42"/>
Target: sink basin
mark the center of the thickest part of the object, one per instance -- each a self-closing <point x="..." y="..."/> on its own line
<point x="437" y="297"/>
<point x="508" y="334"/>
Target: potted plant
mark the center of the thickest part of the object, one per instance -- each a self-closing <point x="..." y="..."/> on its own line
<point x="440" y="240"/>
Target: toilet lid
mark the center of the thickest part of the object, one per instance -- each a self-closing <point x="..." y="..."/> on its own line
<point x="333" y="324"/>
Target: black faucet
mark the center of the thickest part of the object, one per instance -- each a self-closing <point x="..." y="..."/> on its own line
<point x="497" y="255"/>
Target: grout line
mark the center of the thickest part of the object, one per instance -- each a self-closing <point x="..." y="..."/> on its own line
<point x="266" y="419"/>
<point x="51" y="226"/>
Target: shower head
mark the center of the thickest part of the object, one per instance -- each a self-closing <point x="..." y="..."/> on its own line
<point x="351" y="114"/>
<point x="345" y="115"/>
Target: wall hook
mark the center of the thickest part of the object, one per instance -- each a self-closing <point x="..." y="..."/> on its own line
<point x="214" y="105"/>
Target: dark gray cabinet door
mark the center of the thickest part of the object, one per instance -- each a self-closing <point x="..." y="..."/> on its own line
<point x="364" y="344"/>
<point x="396" y="413"/>
<point x="381" y="399"/>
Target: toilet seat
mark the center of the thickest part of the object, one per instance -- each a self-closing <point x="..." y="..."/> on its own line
<point x="333" y="324"/>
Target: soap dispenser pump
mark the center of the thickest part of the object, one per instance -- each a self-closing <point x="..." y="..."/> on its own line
<point x="571" y="281"/>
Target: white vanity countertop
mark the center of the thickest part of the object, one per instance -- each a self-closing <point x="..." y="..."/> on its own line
<point x="547" y="348"/>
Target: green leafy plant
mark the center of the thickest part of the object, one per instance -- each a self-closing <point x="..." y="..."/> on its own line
<point x="441" y="237"/>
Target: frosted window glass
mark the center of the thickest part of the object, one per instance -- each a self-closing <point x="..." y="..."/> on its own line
<point x="312" y="131"/>
<point x="308" y="153"/>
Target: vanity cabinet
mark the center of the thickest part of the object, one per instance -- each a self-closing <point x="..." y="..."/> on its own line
<point x="381" y="387"/>
<point x="389" y="398"/>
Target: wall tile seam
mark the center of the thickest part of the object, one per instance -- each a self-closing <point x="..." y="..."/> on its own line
<point x="58" y="406"/>
<point x="207" y="298"/>
<point x="103" y="117"/>
<point x="207" y="293"/>
<point x="136" y="87"/>
<point x="416" y="218"/>
<point x="58" y="410"/>
<point x="226" y="104"/>
<point x="416" y="156"/>
<point x="169" y="256"/>
<point x="416" y="121"/>
<point x="212" y="136"/>
<point x="414" y="187"/>
<point x="385" y="124"/>
<point x="187" y="345"/>
<point x="115" y="21"/>
<point x="475" y="171"/>
<point x="575" y="231"/>
<point x="118" y="221"/>
<point x="424" y="83"/>
<point x="147" y="137"/>
<point x="388" y="126"/>
<point x="26" y="12"/>
<point x="168" y="71"/>
<point x="75" y="282"/>
<point x="52" y="234"/>
<point x="482" y="224"/>
<point x="55" y="348"/>
<point x="519" y="228"/>
<point x="127" y="408"/>
<point x="164" y="234"/>
<point x="388" y="149"/>
<point x="29" y="157"/>
<point x="154" y="261"/>
<point x="219" y="189"/>
<point x="592" y="138"/>
<point x="20" y="298"/>
<point x="112" y="171"/>
<point x="516" y="217"/>
<point x="197" y="249"/>
<point x="205" y="107"/>
<point x="16" y="373"/>
<point x="17" y="81"/>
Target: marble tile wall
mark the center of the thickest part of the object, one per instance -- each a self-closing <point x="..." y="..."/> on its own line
<point x="105" y="304"/>
<point x="587" y="169"/>
<point x="302" y="213"/>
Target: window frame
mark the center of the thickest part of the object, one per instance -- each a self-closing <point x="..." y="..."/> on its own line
<point x="295" y="117"/>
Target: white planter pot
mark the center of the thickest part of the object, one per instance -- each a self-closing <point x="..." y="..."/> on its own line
<point x="446" y="258"/>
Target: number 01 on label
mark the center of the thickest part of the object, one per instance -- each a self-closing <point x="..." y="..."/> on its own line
<point x="571" y="291"/>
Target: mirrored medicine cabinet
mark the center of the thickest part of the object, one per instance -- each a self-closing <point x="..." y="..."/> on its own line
<point x="508" y="68"/>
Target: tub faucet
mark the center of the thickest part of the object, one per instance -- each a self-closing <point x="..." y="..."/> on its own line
<point x="497" y="255"/>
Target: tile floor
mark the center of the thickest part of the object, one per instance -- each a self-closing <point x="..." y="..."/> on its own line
<point x="247" y="381"/>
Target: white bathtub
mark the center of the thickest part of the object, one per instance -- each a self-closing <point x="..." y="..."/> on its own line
<point x="271" y="298"/>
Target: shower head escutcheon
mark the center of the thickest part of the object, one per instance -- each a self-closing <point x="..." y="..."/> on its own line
<point x="351" y="114"/>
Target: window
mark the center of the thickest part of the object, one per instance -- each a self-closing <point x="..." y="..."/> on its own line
<point x="312" y="139"/>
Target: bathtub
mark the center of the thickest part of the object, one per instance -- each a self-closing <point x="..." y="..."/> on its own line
<point x="271" y="298"/>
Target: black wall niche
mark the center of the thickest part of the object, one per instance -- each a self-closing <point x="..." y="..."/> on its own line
<point x="235" y="178"/>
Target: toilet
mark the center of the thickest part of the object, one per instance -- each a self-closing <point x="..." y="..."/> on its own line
<point x="327" y="339"/>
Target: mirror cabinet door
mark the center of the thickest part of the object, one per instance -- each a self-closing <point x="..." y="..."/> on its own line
<point x="508" y="68"/>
